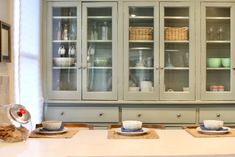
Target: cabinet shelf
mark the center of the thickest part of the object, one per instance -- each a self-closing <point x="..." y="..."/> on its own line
<point x="141" y="68"/>
<point x="100" y="68"/>
<point x="64" y="17"/>
<point x="176" y="68"/>
<point x="99" y="17"/>
<point x="218" y="41"/>
<point x="99" y="41"/>
<point x="140" y="17"/>
<point x="222" y="68"/>
<point x="177" y="17"/>
<point x="56" y="67"/>
<point x="140" y="41"/>
<point x="64" y="41"/>
<point x="218" y="18"/>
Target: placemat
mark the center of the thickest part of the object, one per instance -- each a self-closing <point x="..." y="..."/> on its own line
<point x="152" y="134"/>
<point x="68" y="134"/>
<point x="195" y="133"/>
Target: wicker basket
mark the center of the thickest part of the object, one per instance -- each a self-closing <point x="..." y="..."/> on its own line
<point x="141" y="33"/>
<point x="176" y="33"/>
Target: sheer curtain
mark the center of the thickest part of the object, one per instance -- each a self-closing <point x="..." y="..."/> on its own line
<point x="28" y="85"/>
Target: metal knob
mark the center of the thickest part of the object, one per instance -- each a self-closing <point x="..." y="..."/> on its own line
<point x="101" y="114"/>
<point x="139" y="115"/>
<point x="218" y="115"/>
<point x="62" y="113"/>
<point x="178" y="115"/>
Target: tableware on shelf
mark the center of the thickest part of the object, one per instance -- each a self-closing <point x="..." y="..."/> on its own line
<point x="132" y="124"/>
<point x="213" y="124"/>
<point x="61" y="51"/>
<point x="224" y="130"/>
<point x="72" y="50"/>
<point x="139" y="64"/>
<point x="146" y="86"/>
<point x="101" y="61"/>
<point x="220" y="33"/>
<point x="134" y="89"/>
<point x="42" y="131"/>
<point x="129" y="133"/>
<point x="225" y="62"/>
<point x="211" y="33"/>
<point x="148" y="62"/>
<point x="213" y="62"/>
<point x="51" y="125"/>
<point x="63" y="61"/>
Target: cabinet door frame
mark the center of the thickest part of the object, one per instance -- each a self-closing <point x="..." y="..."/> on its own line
<point x="52" y="94"/>
<point x="154" y="95"/>
<point x="204" y="94"/>
<point x="112" y="95"/>
<point x="192" y="41"/>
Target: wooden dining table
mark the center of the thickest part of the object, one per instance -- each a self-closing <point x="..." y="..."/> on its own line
<point x="95" y="143"/>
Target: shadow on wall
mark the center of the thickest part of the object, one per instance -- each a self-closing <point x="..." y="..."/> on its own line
<point x="4" y="90"/>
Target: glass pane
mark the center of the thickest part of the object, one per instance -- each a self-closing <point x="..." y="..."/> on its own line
<point x="64" y="79"/>
<point x="176" y="49"/>
<point x="99" y="46"/>
<point x="64" y="49"/>
<point x="218" y="49"/>
<point x="141" y="49"/>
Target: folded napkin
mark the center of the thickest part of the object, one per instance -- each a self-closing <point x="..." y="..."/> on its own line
<point x="128" y="130"/>
<point x="45" y="129"/>
<point x="202" y="126"/>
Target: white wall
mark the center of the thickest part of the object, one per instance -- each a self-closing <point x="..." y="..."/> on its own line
<point x="6" y="69"/>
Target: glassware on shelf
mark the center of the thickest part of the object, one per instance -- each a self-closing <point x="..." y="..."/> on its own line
<point x="65" y="32"/>
<point x="211" y="33"/>
<point x="220" y="33"/>
<point x="141" y="61"/>
<point x="169" y="61"/>
<point x="104" y="31"/>
<point x="58" y="31"/>
<point x="94" y="32"/>
<point x="61" y="51"/>
<point x="72" y="34"/>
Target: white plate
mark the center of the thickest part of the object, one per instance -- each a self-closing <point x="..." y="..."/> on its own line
<point x="119" y="131"/>
<point x="214" y="131"/>
<point x="39" y="130"/>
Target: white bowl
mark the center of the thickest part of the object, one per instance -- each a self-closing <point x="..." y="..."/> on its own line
<point x="51" y="125"/>
<point x="213" y="124"/>
<point x="63" y="61"/>
<point x="132" y="124"/>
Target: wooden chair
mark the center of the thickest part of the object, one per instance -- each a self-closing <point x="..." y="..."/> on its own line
<point x="80" y="125"/>
<point x="155" y="126"/>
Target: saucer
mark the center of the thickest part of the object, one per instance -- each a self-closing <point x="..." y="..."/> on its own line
<point x="41" y="131"/>
<point x="129" y="133"/>
<point x="224" y="130"/>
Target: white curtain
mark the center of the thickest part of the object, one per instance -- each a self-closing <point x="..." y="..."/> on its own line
<point x="28" y="85"/>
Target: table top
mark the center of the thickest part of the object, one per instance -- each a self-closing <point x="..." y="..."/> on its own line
<point x="94" y="143"/>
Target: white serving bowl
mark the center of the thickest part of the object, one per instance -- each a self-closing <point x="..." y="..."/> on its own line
<point x="213" y="124"/>
<point x="51" y="125"/>
<point x="132" y="124"/>
<point x="63" y="61"/>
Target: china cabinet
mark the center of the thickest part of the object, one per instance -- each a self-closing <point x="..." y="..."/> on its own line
<point x="63" y="50"/>
<point x="217" y="51"/>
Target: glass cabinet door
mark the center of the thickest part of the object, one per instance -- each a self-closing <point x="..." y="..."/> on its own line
<point x="176" y="51"/>
<point x="218" y="51"/>
<point x="100" y="52"/>
<point x="140" y="51"/>
<point x="63" y="50"/>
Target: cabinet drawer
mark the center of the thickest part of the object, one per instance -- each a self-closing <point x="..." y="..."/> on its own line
<point x="225" y="114"/>
<point x="83" y="114"/>
<point x="160" y="115"/>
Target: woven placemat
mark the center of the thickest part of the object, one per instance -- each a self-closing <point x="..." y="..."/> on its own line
<point x="195" y="133"/>
<point x="67" y="134"/>
<point x="151" y="134"/>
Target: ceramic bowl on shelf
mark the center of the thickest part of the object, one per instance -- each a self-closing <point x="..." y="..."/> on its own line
<point x="225" y="62"/>
<point x="214" y="62"/>
<point x="213" y="124"/>
<point x="101" y="61"/>
<point x="132" y="124"/>
<point x="52" y="125"/>
<point x="63" y="61"/>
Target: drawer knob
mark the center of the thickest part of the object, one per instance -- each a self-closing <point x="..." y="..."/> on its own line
<point x="218" y="115"/>
<point x="62" y="113"/>
<point x="139" y="115"/>
<point x="101" y="114"/>
<point x="178" y="115"/>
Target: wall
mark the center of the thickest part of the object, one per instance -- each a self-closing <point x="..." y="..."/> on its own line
<point x="6" y="69"/>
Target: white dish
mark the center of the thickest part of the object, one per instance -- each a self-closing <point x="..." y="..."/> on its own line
<point x="214" y="131"/>
<point x="39" y="130"/>
<point x="119" y="131"/>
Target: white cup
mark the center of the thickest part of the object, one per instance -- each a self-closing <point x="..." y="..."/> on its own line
<point x="146" y="86"/>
